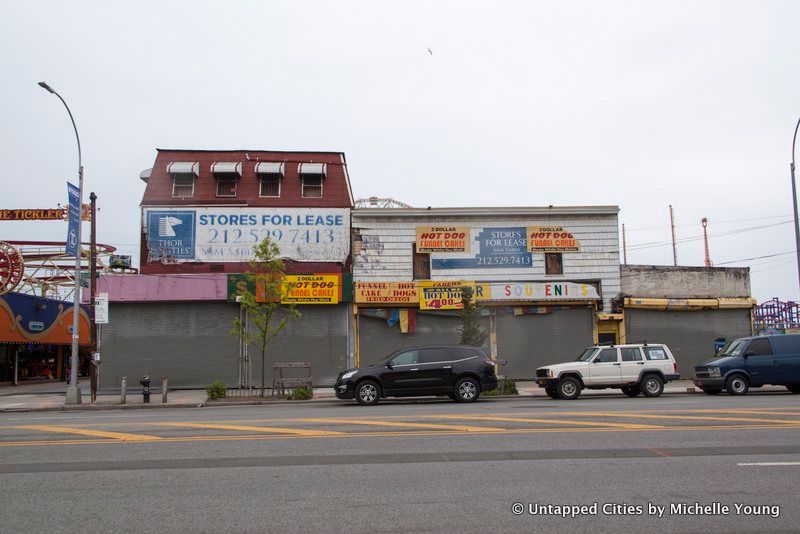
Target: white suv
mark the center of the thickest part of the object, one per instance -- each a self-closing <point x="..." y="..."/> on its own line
<point x="635" y="368"/>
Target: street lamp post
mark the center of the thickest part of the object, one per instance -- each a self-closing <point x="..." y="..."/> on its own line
<point x="73" y="391"/>
<point x="794" y="204"/>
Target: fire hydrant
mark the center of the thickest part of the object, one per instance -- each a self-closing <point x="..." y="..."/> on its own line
<point x="145" y="382"/>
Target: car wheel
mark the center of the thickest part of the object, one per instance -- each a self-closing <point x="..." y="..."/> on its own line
<point x="467" y="390"/>
<point x="712" y="391"/>
<point x="737" y="385"/>
<point x="631" y="391"/>
<point x="652" y="385"/>
<point x="367" y="393"/>
<point x="794" y="388"/>
<point x="551" y="392"/>
<point x="568" y="388"/>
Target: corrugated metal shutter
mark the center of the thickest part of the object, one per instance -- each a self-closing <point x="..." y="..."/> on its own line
<point x="530" y="341"/>
<point x="377" y="338"/>
<point x="319" y="337"/>
<point x="190" y="343"/>
<point x="690" y="335"/>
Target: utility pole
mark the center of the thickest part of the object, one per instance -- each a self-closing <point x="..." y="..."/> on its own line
<point x="624" y="247"/>
<point x="704" y="222"/>
<point x="93" y="370"/>
<point x="794" y="204"/>
<point x="674" y="246"/>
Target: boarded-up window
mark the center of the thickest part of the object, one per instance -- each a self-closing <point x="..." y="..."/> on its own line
<point x="422" y="265"/>
<point x="553" y="263"/>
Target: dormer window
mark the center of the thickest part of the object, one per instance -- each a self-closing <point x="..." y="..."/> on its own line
<point x="311" y="177"/>
<point x="270" y="176"/>
<point x="183" y="175"/>
<point x="227" y="175"/>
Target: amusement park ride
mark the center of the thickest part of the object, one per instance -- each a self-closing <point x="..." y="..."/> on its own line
<point x="43" y="268"/>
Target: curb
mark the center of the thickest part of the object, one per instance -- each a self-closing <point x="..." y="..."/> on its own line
<point x="217" y="404"/>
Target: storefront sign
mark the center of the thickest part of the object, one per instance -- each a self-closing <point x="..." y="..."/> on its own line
<point x="442" y="295"/>
<point x="33" y="215"/>
<point x="442" y="239"/>
<point x="498" y="248"/>
<point x="551" y="239"/>
<point x="296" y="288"/>
<point x="536" y="291"/>
<point x="387" y="293"/>
<point x="229" y="234"/>
<point x="43" y="214"/>
<point x="312" y="289"/>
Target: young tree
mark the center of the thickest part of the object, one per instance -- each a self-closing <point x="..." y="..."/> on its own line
<point x="470" y="330"/>
<point x="266" y="316"/>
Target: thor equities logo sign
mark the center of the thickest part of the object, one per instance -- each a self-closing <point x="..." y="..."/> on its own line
<point x="171" y="234"/>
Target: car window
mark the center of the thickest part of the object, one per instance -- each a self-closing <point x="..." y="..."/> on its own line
<point x="760" y="347"/>
<point x="788" y="345"/>
<point x="631" y="354"/>
<point x="586" y="355"/>
<point x="655" y="353"/>
<point x="606" y="356"/>
<point x="405" y="358"/>
<point x="435" y="355"/>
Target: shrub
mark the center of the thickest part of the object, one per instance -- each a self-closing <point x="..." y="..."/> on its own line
<point x="505" y="387"/>
<point x="301" y="393"/>
<point x="216" y="390"/>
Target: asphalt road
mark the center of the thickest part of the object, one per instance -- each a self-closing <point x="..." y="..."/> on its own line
<point x="435" y="466"/>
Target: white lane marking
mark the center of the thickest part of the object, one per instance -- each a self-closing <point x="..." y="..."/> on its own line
<point x="769" y="463"/>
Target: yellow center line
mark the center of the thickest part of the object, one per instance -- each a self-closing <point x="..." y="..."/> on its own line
<point x="688" y="417"/>
<point x="555" y="421"/>
<point x="276" y="430"/>
<point x="85" y="432"/>
<point x="372" y="422"/>
<point x="261" y="437"/>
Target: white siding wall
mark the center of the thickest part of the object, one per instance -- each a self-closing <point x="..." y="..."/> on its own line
<point x="387" y="245"/>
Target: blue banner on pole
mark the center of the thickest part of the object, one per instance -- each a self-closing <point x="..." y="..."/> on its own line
<point x="73" y="232"/>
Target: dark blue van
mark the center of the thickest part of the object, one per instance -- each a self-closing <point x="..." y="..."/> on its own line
<point x="752" y="362"/>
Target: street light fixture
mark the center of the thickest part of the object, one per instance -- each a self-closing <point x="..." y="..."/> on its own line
<point x="73" y="391"/>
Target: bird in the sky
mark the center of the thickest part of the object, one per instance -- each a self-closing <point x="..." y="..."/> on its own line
<point x="430" y="51"/>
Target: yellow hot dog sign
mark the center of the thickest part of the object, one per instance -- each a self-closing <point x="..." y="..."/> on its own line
<point x="442" y="239"/>
<point x="551" y="239"/>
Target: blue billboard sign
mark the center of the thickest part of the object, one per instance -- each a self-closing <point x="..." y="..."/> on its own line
<point x="498" y="248"/>
<point x="171" y="234"/>
<point x="74" y="218"/>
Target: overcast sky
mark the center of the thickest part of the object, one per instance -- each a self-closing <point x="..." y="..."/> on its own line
<point x="636" y="104"/>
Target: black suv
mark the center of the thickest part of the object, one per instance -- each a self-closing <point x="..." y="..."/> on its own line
<point x="458" y="371"/>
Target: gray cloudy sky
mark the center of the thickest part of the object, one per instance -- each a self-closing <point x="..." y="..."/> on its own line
<point x="639" y="104"/>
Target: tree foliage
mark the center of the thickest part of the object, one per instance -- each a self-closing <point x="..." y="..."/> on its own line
<point x="266" y="315"/>
<point x="470" y="330"/>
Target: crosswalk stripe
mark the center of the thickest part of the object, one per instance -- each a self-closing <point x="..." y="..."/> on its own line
<point x="558" y="421"/>
<point x="399" y="424"/>
<point x="94" y="433"/>
<point x="243" y="428"/>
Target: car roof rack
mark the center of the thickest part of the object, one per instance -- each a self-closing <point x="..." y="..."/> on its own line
<point x="606" y="344"/>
